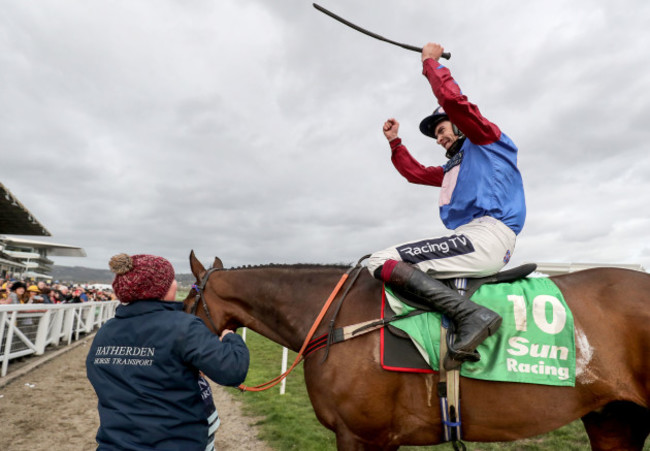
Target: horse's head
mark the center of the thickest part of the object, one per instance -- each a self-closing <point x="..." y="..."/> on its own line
<point x="203" y="300"/>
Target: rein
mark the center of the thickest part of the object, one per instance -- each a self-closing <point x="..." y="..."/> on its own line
<point x="265" y="386"/>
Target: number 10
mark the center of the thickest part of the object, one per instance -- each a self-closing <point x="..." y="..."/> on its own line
<point x="558" y="313"/>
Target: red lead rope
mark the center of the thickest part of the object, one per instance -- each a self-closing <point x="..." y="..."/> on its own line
<point x="299" y="357"/>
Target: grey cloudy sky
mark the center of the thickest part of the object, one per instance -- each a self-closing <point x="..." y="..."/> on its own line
<point x="251" y="129"/>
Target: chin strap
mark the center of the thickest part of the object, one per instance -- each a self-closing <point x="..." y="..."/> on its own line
<point x="455" y="147"/>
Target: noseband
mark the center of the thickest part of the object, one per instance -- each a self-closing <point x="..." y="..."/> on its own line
<point x="200" y="298"/>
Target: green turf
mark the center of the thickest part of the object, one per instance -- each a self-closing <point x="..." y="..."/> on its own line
<point x="287" y="421"/>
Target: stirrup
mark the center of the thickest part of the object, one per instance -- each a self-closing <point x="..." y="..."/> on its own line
<point x="454" y="358"/>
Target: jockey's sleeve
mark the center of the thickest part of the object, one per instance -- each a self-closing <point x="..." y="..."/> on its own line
<point x="224" y="361"/>
<point x="465" y="115"/>
<point x="411" y="169"/>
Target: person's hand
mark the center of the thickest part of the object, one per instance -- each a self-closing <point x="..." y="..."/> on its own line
<point x="391" y="127"/>
<point x="224" y="333"/>
<point x="432" y="50"/>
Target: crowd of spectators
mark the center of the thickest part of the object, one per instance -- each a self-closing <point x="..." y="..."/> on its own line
<point x="17" y="291"/>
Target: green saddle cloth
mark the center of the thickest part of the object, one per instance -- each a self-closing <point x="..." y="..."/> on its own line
<point x="535" y="343"/>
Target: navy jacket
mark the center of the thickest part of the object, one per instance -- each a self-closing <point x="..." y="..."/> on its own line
<point x="144" y="366"/>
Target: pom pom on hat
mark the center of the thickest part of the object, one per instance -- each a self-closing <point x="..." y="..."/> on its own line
<point x="141" y="277"/>
<point x="121" y="264"/>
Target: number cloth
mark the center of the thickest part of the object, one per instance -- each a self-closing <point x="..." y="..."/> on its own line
<point x="535" y="343"/>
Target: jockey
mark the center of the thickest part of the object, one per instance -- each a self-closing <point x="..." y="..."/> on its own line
<point x="481" y="201"/>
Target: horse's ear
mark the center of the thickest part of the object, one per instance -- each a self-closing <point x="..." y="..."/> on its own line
<point x="217" y="263"/>
<point x="197" y="268"/>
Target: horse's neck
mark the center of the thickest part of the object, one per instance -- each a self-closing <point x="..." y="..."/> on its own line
<point x="282" y="303"/>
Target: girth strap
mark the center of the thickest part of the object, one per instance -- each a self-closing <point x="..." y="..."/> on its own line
<point x="449" y="383"/>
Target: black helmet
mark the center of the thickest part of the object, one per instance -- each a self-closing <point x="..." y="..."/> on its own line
<point x="428" y="124"/>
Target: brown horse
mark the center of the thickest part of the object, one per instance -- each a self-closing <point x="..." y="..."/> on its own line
<point x="370" y="408"/>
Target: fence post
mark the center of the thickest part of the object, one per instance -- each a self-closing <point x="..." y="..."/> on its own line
<point x="41" y="332"/>
<point x="5" y="357"/>
<point x="8" y="341"/>
<point x="285" y="355"/>
<point x="110" y="312"/>
<point x="89" y="319"/>
<point x="78" y="314"/>
<point x="3" y="319"/>
<point x="99" y="316"/>
<point x="68" y="324"/>
<point x="57" y="325"/>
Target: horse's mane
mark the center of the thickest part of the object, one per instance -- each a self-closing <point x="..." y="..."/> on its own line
<point x="294" y="266"/>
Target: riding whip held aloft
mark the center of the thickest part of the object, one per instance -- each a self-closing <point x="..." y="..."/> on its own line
<point x="445" y="55"/>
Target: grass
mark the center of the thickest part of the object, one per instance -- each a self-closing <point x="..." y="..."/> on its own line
<point x="287" y="422"/>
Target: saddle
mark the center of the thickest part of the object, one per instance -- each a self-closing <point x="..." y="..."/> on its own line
<point x="469" y="288"/>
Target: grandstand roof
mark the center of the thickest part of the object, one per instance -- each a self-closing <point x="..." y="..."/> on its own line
<point x="15" y="219"/>
<point x="53" y="249"/>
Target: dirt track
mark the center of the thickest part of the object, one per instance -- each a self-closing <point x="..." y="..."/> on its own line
<point x="53" y="407"/>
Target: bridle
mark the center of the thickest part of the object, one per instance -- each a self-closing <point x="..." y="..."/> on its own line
<point x="265" y="386"/>
<point x="200" y="298"/>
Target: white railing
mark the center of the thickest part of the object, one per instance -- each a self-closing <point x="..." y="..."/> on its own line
<point x="29" y="328"/>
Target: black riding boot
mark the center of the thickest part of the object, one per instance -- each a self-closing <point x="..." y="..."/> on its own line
<point x="474" y="323"/>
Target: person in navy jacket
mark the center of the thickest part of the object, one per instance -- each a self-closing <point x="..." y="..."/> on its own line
<point x="146" y="363"/>
<point x="481" y="200"/>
